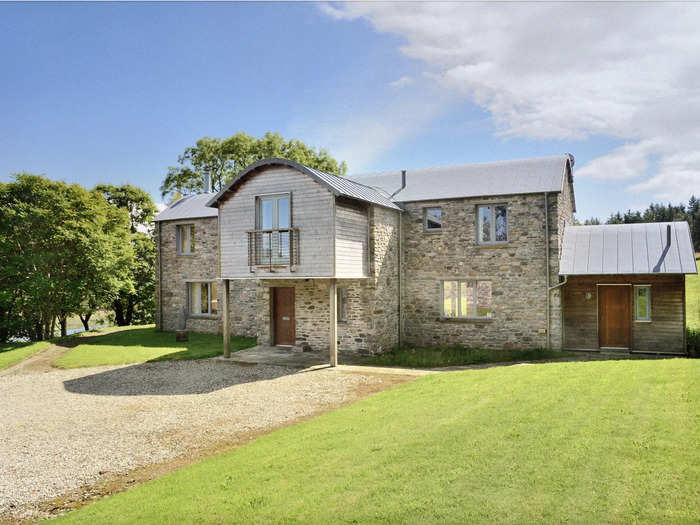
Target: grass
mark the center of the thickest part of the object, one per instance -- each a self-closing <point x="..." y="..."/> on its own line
<point x="591" y="442"/>
<point x="692" y="299"/>
<point x="456" y="356"/>
<point x="12" y="353"/>
<point x="145" y="343"/>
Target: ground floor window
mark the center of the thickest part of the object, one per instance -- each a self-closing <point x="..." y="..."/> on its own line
<point x="202" y="298"/>
<point x="342" y="302"/>
<point x="467" y="299"/>
<point x="642" y="302"/>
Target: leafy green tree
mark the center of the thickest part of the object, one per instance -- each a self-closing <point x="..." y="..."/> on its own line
<point x="60" y="244"/>
<point x="135" y="303"/>
<point x="224" y="158"/>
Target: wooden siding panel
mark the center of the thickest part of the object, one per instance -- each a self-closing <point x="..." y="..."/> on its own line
<point x="311" y="213"/>
<point x="665" y="332"/>
<point x="351" y="240"/>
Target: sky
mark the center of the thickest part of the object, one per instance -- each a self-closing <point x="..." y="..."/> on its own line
<point x="114" y="92"/>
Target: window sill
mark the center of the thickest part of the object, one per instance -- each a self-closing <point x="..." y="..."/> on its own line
<point x="187" y="254"/>
<point x="203" y="316"/>
<point x="494" y="246"/>
<point x="433" y="231"/>
<point x="467" y="319"/>
<point x="643" y="321"/>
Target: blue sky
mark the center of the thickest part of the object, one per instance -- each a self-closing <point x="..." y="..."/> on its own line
<point x="114" y="92"/>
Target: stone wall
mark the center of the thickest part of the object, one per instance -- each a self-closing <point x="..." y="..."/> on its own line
<point x="516" y="271"/>
<point x="203" y="265"/>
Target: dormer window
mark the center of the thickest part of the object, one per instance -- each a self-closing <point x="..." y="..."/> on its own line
<point x="492" y="224"/>
<point x="185" y="239"/>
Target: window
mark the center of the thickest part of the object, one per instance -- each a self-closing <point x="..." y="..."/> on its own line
<point x="273" y="214"/>
<point x="202" y="298"/>
<point x="467" y="299"/>
<point x="432" y="219"/>
<point x="185" y="238"/>
<point x="492" y="224"/>
<point x="342" y="298"/>
<point x="642" y="303"/>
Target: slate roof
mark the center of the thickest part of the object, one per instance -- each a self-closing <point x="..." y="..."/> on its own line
<point x="341" y="186"/>
<point x="474" y="180"/>
<point x="188" y="207"/>
<point x="646" y="248"/>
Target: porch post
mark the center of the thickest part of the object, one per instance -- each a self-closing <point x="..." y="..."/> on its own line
<point x="333" y="324"/>
<point x="225" y="313"/>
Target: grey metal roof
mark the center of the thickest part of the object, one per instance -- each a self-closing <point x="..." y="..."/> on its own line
<point x="657" y="247"/>
<point x="473" y="180"/>
<point x="338" y="185"/>
<point x="188" y="207"/>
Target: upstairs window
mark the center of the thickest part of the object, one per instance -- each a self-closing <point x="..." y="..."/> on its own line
<point x="467" y="299"/>
<point x="432" y="219"/>
<point x="185" y="239"/>
<point x="492" y="224"/>
<point x="202" y="298"/>
<point x="642" y="303"/>
<point x="273" y="220"/>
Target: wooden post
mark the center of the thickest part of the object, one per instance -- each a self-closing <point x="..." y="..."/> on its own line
<point x="333" y="324"/>
<point x="225" y="313"/>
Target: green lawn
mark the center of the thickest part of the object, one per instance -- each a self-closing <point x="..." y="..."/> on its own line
<point x="456" y="356"/>
<point x="11" y="353"/>
<point x="692" y="299"/>
<point x="587" y="442"/>
<point x="144" y="343"/>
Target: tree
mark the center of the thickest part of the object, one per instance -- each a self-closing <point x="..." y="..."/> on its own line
<point x="135" y="303"/>
<point x="60" y="244"/>
<point x="224" y="158"/>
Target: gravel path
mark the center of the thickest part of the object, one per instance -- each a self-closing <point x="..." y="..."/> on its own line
<point x="65" y="429"/>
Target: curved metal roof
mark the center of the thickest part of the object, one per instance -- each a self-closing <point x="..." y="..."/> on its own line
<point x="341" y="186"/>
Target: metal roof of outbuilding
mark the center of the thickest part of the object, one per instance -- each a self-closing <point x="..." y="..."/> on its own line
<point x="644" y="248"/>
<point x="188" y="207"/>
<point x="338" y="185"/>
<point x="474" y="180"/>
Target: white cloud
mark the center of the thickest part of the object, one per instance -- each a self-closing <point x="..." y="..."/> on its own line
<point x="567" y="72"/>
<point x="402" y="82"/>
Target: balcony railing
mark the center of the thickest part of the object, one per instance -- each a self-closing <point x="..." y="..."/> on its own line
<point x="273" y="248"/>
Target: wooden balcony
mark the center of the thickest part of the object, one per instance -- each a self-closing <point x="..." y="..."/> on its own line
<point x="273" y="249"/>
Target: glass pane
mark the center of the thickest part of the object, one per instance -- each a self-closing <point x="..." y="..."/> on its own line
<point x="484" y="298"/>
<point x="195" y="298"/>
<point x="205" y="298"/>
<point x="450" y="297"/>
<point x="266" y="214"/>
<point x="214" y="299"/>
<point x="501" y="224"/>
<point x="642" y="303"/>
<point x="464" y="302"/>
<point x="283" y="212"/>
<point x="433" y="218"/>
<point x="191" y="239"/>
<point x="484" y="225"/>
<point x="283" y="245"/>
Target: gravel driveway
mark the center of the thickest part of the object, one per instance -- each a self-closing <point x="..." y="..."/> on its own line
<point x="65" y="431"/>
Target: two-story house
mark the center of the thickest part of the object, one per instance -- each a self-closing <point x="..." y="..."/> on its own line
<point x="482" y="255"/>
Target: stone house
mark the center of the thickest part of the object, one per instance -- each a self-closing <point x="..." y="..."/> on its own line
<point x="482" y="255"/>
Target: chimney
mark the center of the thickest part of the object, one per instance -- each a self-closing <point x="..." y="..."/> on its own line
<point x="403" y="183"/>
<point x="207" y="181"/>
<point x="668" y="235"/>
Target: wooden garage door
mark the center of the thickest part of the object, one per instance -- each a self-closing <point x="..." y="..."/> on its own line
<point x="614" y="316"/>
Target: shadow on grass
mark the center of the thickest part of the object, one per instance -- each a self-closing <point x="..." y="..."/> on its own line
<point x="173" y="379"/>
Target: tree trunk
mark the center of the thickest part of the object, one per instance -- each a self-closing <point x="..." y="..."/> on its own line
<point x="119" y="313"/>
<point x="129" y="310"/>
<point x="63" y="319"/>
<point x="85" y="320"/>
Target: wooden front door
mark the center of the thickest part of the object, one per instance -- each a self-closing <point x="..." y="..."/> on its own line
<point x="283" y="315"/>
<point x="614" y="316"/>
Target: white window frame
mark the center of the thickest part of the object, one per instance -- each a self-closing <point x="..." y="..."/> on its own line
<point x="646" y="319"/>
<point x="425" y="219"/>
<point x="210" y="298"/>
<point x="182" y="232"/>
<point x="475" y="299"/>
<point x="492" y="232"/>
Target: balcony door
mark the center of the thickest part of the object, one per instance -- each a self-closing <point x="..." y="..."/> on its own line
<point x="273" y="218"/>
